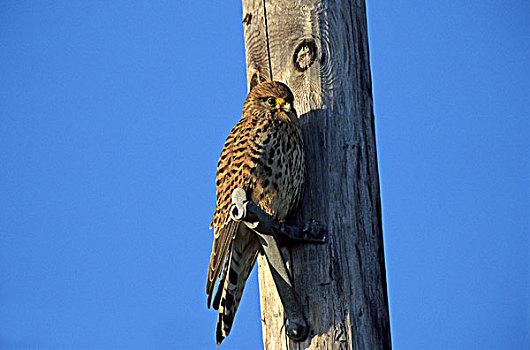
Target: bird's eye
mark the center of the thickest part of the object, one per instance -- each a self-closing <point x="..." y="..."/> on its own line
<point x="271" y="101"/>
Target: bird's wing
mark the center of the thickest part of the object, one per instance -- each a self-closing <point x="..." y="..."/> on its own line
<point x="237" y="159"/>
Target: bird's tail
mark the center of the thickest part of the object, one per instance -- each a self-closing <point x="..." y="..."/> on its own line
<point x="243" y="254"/>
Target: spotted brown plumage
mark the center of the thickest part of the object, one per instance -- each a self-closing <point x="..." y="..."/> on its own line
<point x="263" y="154"/>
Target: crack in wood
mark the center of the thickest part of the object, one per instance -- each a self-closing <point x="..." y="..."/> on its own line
<point x="267" y="36"/>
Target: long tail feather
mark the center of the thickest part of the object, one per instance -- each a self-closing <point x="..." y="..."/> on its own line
<point x="243" y="254"/>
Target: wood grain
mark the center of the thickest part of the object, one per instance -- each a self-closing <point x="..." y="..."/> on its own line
<point x="320" y="49"/>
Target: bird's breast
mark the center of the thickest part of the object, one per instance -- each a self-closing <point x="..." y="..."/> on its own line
<point x="279" y="173"/>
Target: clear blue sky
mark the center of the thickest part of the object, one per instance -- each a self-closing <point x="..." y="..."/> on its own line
<point x="113" y="115"/>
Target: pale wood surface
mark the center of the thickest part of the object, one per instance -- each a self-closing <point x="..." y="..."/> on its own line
<point x="320" y="49"/>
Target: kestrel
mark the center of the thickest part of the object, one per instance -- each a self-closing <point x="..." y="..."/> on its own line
<point x="264" y="155"/>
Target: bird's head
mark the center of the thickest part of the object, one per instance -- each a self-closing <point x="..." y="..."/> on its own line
<point x="278" y="103"/>
<point x="273" y="98"/>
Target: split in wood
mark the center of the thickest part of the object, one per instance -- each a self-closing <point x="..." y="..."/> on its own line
<point x="269" y="232"/>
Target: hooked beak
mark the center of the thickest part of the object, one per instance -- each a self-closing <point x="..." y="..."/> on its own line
<point x="284" y="105"/>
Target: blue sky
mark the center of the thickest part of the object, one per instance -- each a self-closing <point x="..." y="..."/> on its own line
<point x="113" y="116"/>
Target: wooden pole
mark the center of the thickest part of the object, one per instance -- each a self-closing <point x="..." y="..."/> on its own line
<point x="319" y="49"/>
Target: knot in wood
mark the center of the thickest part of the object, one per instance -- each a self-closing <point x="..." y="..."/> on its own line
<point x="304" y="55"/>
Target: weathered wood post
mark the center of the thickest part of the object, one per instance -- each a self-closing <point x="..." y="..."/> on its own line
<point x="320" y="49"/>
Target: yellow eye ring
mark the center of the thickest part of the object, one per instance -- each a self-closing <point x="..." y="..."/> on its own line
<point x="271" y="101"/>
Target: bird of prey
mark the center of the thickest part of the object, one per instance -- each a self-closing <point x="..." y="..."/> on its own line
<point x="264" y="155"/>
